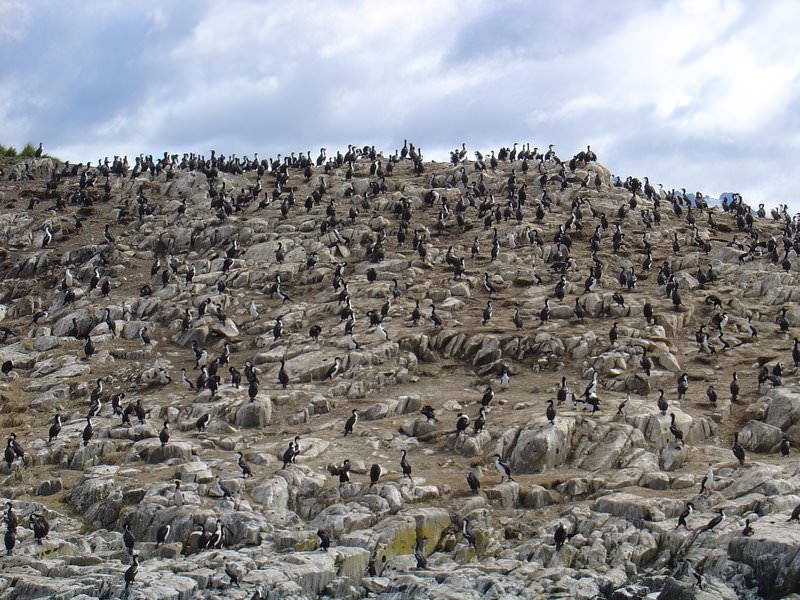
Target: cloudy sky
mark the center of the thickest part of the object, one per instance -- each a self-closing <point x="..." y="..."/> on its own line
<point x="702" y="95"/>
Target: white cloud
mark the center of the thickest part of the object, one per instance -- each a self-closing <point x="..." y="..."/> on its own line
<point x="677" y="90"/>
<point x="15" y="16"/>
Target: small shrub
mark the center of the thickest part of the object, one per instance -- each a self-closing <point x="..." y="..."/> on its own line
<point x="10" y="421"/>
<point x="10" y="152"/>
<point x="28" y="151"/>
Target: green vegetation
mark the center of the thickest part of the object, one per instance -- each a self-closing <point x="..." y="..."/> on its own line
<point x="11" y="154"/>
<point x="28" y="151"/>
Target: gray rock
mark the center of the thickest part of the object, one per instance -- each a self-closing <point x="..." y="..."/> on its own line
<point x="760" y="437"/>
<point x="151" y="451"/>
<point x="254" y="414"/>
<point x="543" y="446"/>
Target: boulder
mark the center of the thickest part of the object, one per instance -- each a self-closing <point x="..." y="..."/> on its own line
<point x="543" y="446"/>
<point x="760" y="437"/>
<point x="254" y="414"/>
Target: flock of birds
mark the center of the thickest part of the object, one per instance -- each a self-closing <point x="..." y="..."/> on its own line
<point x="477" y="202"/>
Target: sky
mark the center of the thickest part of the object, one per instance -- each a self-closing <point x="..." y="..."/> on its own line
<point x="697" y="94"/>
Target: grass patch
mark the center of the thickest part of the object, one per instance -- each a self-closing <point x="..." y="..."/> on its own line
<point x="11" y="421"/>
<point x="9" y="154"/>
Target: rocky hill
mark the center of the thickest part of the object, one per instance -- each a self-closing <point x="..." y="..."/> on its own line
<point x="211" y="313"/>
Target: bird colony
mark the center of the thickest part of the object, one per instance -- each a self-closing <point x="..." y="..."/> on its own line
<point x="363" y="374"/>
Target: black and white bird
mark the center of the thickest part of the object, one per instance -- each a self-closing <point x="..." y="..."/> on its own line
<point x="10" y="517"/>
<point x="375" y="473"/>
<point x="785" y="446"/>
<point x="466" y="533"/>
<point x="13" y="450"/>
<point x="288" y="455"/>
<point x="163" y="534"/>
<point x="333" y="370"/>
<point x="130" y="573"/>
<point x="516" y="319"/>
<point x="55" y="429"/>
<point x="550" y="413"/>
<point x="502" y="468"/>
<point x="645" y="362"/>
<point x="473" y="482"/>
<point x="578" y="311"/>
<point x="351" y="422"/>
<point x="713" y="522"/>
<point x="163" y="436"/>
<point x="505" y="377"/>
<point x="324" y="540"/>
<point x="563" y="391"/>
<point x="10" y="540"/>
<point x="201" y="423"/>
<point x="560" y="536"/>
<point x="487" y="285"/>
<point x="462" y="422"/>
<point x="480" y="422"/>
<point x="283" y="376"/>
<point x="488" y="396"/>
<point x="40" y="527"/>
<point x="748" y="529"/>
<point x="343" y="472"/>
<point x="737" y="450"/>
<point x="708" y="479"/>
<point x="544" y="313"/>
<point x="246" y="471"/>
<point x="674" y="430"/>
<point x="177" y="495"/>
<point x="685" y="515"/>
<point x="711" y="394"/>
<point x="404" y="466"/>
<point x="683" y="386"/>
<point x="88" y="347"/>
<point x="734" y="387"/>
<point x="186" y="381"/>
<point x="128" y="538"/>
<point x="88" y="431"/>
<point x="487" y="312"/>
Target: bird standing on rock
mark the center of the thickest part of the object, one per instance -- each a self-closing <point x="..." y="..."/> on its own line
<point x="737" y="450"/>
<point x="502" y="468"/>
<point x="128" y="539"/>
<point x="673" y="429"/>
<point x="683" y="386"/>
<point x="785" y="446"/>
<point x="404" y="466"/>
<point x="55" y="429"/>
<point x="283" y="376"/>
<point x="351" y="422"/>
<point x="470" y="539"/>
<point x="560" y="536"/>
<point x="131" y="572"/>
<point x="550" y="413"/>
<point x="685" y="515"/>
<point x="375" y="473"/>
<point x="163" y="436"/>
<point x="462" y="422"/>
<point x="246" y="472"/>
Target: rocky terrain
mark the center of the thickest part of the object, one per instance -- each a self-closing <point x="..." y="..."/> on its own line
<point x="117" y="276"/>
